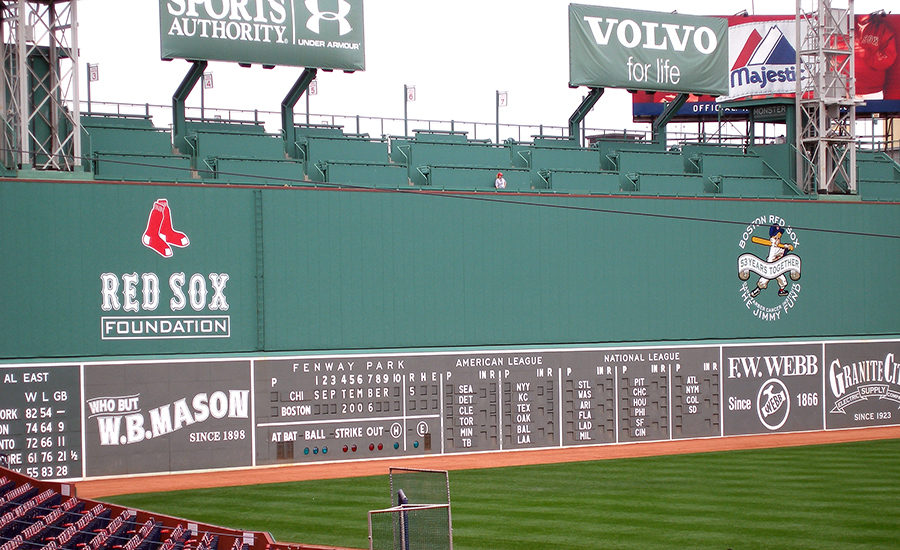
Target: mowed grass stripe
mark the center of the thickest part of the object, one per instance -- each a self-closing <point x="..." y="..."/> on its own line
<point x="827" y="496"/>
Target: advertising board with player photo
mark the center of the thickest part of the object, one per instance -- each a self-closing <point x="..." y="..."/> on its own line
<point x="761" y="45"/>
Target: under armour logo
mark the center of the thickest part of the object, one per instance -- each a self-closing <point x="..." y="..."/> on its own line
<point x="317" y="16"/>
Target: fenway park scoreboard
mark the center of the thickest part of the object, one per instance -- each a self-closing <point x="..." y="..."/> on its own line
<point x="70" y="421"/>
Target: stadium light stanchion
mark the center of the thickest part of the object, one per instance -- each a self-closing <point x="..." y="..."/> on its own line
<point x="501" y="100"/>
<point x="93" y="70"/>
<point x="409" y="94"/>
<point x="207" y="83"/>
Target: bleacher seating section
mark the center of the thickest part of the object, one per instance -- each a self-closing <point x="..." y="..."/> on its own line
<point x="37" y="514"/>
<point x="243" y="153"/>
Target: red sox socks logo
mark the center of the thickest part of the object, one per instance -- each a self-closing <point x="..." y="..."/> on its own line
<point x="160" y="236"/>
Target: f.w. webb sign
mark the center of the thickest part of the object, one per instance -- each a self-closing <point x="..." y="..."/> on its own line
<point x="326" y="34"/>
<point x="644" y="50"/>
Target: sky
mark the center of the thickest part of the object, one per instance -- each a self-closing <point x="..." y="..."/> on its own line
<point x="456" y="53"/>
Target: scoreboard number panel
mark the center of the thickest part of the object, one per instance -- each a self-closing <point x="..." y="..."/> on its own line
<point x="333" y="408"/>
<point x="40" y="420"/>
<point x="68" y="421"/>
<point x="588" y="399"/>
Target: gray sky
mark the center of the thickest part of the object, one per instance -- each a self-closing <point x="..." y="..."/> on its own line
<point x="457" y="53"/>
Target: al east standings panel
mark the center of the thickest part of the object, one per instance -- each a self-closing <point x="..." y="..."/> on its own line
<point x="40" y="420"/>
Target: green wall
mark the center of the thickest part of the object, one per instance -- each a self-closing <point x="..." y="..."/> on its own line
<point x="367" y="269"/>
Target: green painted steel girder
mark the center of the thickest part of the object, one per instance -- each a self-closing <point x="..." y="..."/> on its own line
<point x="194" y="74"/>
<point x="582" y="111"/>
<point x="660" y="122"/>
<point x="287" y="108"/>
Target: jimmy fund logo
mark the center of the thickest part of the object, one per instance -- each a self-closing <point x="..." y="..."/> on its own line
<point x="120" y="420"/>
<point x="777" y="244"/>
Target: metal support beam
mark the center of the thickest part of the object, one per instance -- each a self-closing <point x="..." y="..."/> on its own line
<point x="194" y="74"/>
<point x="660" y="122"/>
<point x="582" y="111"/>
<point x="287" y="109"/>
<point x="39" y="109"/>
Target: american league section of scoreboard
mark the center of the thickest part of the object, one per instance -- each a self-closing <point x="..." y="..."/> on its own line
<point x="65" y="420"/>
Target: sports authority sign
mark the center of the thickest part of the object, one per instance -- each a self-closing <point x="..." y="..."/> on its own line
<point x="644" y="50"/>
<point x="326" y="34"/>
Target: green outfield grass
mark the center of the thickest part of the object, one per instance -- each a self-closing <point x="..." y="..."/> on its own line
<point x="827" y="496"/>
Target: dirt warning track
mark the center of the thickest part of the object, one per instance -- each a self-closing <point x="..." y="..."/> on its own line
<point x="97" y="488"/>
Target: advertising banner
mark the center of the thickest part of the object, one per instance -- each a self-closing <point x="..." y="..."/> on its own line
<point x="762" y="57"/>
<point x="772" y="388"/>
<point x="862" y="384"/>
<point x="299" y="33"/>
<point x="167" y="417"/>
<point x="644" y="50"/>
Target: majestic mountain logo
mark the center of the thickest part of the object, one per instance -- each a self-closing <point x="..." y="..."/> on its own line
<point x="765" y="62"/>
<point x="160" y="236"/>
<point x="780" y="260"/>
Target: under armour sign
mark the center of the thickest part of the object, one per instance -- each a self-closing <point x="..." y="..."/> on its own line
<point x="340" y="16"/>
<point x="326" y="34"/>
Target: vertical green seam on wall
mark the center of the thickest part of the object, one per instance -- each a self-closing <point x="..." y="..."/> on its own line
<point x="260" y="286"/>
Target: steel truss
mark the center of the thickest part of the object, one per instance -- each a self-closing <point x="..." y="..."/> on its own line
<point x="825" y="98"/>
<point x="40" y="78"/>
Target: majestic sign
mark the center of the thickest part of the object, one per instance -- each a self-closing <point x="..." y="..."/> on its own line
<point x="763" y="58"/>
<point x="305" y="33"/>
<point x="643" y="50"/>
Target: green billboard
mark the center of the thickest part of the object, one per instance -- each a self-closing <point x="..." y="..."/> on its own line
<point x="645" y="50"/>
<point x="325" y="34"/>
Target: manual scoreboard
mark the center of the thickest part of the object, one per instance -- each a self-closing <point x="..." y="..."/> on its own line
<point x="65" y="421"/>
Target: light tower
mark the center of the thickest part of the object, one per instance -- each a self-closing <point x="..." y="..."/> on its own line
<point x="825" y="99"/>
<point x="39" y="104"/>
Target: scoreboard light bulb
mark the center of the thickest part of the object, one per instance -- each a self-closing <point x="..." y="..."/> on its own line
<point x="371" y="446"/>
<point x="324" y="450"/>
<point x="415" y="444"/>
<point x="396" y="445"/>
<point x="346" y="448"/>
<point x="315" y="450"/>
<point x="306" y="450"/>
<point x="353" y="448"/>
<point x="380" y="446"/>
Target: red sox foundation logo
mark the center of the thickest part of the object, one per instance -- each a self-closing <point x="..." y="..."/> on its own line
<point x="150" y="308"/>
<point x="160" y="236"/>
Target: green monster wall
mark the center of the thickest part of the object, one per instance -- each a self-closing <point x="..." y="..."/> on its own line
<point x="292" y="269"/>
